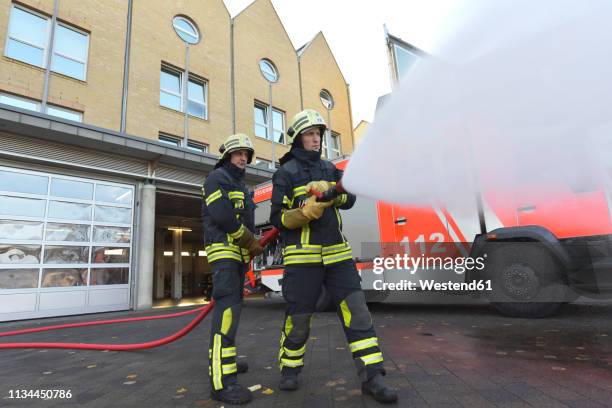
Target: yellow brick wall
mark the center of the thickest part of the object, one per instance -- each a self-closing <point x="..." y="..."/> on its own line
<point x="259" y="33"/>
<point x="360" y="131"/>
<point x="320" y="71"/>
<point x="154" y="41"/>
<point x="100" y="95"/>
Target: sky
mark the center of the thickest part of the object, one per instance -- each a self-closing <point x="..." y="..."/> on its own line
<point x="354" y="31"/>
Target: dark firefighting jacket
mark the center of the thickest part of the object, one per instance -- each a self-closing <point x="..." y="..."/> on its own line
<point x="320" y="240"/>
<point x="227" y="209"/>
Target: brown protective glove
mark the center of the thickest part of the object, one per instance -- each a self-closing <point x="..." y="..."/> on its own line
<point x="295" y="218"/>
<point x="313" y="210"/>
<point x="321" y="186"/>
<point x="247" y="241"/>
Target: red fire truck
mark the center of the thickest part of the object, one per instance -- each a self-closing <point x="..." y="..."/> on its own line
<point x="539" y="255"/>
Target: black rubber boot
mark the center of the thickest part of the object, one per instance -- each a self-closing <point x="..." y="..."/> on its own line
<point x="242" y="366"/>
<point x="289" y="382"/>
<point x="376" y="387"/>
<point x="234" y="394"/>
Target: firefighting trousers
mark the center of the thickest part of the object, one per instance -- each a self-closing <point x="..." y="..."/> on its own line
<point x="301" y="289"/>
<point x="228" y="281"/>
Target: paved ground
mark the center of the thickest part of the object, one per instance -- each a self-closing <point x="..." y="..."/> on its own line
<point x="442" y="356"/>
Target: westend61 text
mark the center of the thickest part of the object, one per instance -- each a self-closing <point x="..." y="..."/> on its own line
<point x="480" y="285"/>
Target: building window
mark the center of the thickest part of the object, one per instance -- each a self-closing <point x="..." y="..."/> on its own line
<point x="30" y="104"/>
<point x="336" y="148"/>
<point x="265" y="164"/>
<point x="64" y="113"/>
<point x="326" y="99"/>
<point x="176" y="141"/>
<point x="186" y="29"/>
<point x="28" y="37"/>
<point x="19" y="102"/>
<point x="170" y="89"/>
<point x="169" y="140"/>
<point x="171" y="93"/>
<point x="28" y="41"/>
<point x="70" y="52"/>
<point x="268" y="70"/>
<point x="261" y="123"/>
<point x="196" y="99"/>
<point x="198" y="147"/>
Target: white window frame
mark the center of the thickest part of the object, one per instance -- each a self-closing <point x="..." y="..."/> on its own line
<point x="76" y="30"/>
<point x="169" y="139"/>
<point x="61" y="108"/>
<point x="199" y="81"/>
<point x="175" y="72"/>
<point x="22" y="98"/>
<point x="191" y="23"/>
<point x="185" y="98"/>
<point x="92" y="223"/>
<point x="270" y="135"/>
<point x="47" y="47"/>
<point x="47" y="35"/>
<point x="326" y="150"/>
<point x="39" y="106"/>
<point x="197" y="146"/>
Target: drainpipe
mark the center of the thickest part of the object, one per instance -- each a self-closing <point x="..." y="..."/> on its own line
<point x="126" y="68"/>
<point x="43" y="107"/>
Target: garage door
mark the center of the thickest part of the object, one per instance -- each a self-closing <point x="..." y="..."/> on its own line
<point x="65" y="244"/>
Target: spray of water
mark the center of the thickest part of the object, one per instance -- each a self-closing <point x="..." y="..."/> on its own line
<point x="517" y="102"/>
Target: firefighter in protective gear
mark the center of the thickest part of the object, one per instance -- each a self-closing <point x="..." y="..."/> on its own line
<point x="316" y="253"/>
<point x="229" y="222"/>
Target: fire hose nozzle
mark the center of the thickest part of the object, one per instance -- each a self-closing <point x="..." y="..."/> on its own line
<point x="330" y="194"/>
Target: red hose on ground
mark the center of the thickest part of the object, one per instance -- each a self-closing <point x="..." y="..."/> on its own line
<point x="116" y="347"/>
<point x="96" y="323"/>
<point x="268" y="236"/>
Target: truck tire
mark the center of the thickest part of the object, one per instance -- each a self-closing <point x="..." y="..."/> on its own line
<point x="526" y="280"/>
<point x="324" y="302"/>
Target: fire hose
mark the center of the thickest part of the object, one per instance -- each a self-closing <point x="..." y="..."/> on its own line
<point x="263" y="241"/>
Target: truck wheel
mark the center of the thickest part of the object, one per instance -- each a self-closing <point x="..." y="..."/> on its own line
<point x="324" y="302"/>
<point x="526" y="280"/>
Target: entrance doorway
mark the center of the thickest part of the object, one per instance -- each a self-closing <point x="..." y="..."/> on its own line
<point x="181" y="266"/>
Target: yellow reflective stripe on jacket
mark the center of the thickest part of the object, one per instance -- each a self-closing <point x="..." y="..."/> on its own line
<point x="300" y="259"/>
<point x="334" y="249"/>
<point x="343" y="199"/>
<point x="220" y="251"/>
<point x="287" y="201"/>
<point x="236" y="195"/>
<point x="302" y="249"/>
<point x="339" y="218"/>
<point x="305" y="237"/>
<point x="228" y="352"/>
<point x="299" y="190"/>
<point x="342" y="256"/>
<point x="363" y="344"/>
<point x="372" y="358"/>
<point x="238" y="233"/>
<point x="213" y="197"/>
